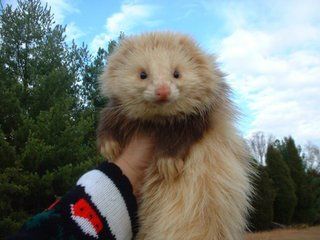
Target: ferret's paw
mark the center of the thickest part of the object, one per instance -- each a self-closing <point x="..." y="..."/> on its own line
<point x="110" y="149"/>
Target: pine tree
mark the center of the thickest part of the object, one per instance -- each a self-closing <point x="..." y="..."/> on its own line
<point x="90" y="88"/>
<point x="314" y="187"/>
<point x="262" y="213"/>
<point x="47" y="119"/>
<point x="304" y="211"/>
<point x="285" y="201"/>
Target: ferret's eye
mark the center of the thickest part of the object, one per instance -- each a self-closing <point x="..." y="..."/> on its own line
<point x="176" y="74"/>
<point x="143" y="75"/>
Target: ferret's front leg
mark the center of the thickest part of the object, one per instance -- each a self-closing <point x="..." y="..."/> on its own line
<point x="109" y="148"/>
<point x="157" y="201"/>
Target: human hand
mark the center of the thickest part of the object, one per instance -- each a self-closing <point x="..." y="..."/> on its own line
<point x="135" y="158"/>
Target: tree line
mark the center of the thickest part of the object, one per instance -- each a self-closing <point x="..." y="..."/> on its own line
<point x="287" y="184"/>
<point x="49" y="105"/>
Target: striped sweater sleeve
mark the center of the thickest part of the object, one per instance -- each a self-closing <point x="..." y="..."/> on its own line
<point x="101" y="206"/>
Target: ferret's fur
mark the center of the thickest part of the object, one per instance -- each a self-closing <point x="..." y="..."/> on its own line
<point x="198" y="184"/>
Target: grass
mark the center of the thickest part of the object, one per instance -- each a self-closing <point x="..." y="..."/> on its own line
<point x="311" y="233"/>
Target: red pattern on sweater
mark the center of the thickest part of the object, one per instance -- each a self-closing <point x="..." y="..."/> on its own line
<point x="83" y="209"/>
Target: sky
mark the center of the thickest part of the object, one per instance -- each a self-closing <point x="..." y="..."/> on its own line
<point x="270" y="50"/>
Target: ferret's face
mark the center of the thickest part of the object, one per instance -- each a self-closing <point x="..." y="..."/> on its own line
<point x="160" y="74"/>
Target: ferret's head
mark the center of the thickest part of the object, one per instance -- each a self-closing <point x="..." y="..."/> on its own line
<point x="161" y="74"/>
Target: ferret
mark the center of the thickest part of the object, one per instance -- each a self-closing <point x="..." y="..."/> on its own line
<point x="198" y="186"/>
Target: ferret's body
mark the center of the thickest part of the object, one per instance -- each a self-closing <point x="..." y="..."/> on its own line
<point x="198" y="186"/>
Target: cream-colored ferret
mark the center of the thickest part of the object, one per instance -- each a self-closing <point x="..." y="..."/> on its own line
<point x="198" y="185"/>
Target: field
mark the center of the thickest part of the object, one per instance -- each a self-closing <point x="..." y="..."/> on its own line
<point x="312" y="233"/>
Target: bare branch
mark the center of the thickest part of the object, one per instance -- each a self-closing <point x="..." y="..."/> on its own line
<point x="258" y="145"/>
<point x="312" y="156"/>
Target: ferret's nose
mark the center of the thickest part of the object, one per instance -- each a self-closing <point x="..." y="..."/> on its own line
<point x="162" y="92"/>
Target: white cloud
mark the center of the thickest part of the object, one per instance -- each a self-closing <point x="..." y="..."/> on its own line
<point x="73" y="32"/>
<point x="276" y="68"/>
<point x="129" y="17"/>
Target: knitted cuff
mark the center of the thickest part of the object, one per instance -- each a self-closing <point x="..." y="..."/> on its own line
<point x="111" y="194"/>
<point x="124" y="186"/>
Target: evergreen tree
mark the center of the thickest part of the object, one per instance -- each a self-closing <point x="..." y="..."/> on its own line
<point x="49" y="100"/>
<point x="304" y="211"/>
<point x="314" y="187"/>
<point x="285" y="201"/>
<point x="263" y="200"/>
<point x="90" y="88"/>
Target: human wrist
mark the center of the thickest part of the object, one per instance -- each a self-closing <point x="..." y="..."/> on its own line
<point x="135" y="158"/>
<point x="133" y="173"/>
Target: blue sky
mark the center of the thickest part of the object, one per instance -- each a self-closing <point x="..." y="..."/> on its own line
<point x="269" y="50"/>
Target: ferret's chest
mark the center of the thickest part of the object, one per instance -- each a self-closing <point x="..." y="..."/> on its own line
<point x="173" y="136"/>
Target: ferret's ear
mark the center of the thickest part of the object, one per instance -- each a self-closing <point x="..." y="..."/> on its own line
<point x="195" y="52"/>
<point x="216" y="66"/>
<point x="121" y="50"/>
<point x="186" y="41"/>
<point x="114" y="45"/>
<point x="112" y="50"/>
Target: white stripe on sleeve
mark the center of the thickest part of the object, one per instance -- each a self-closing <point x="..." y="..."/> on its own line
<point x="108" y="200"/>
